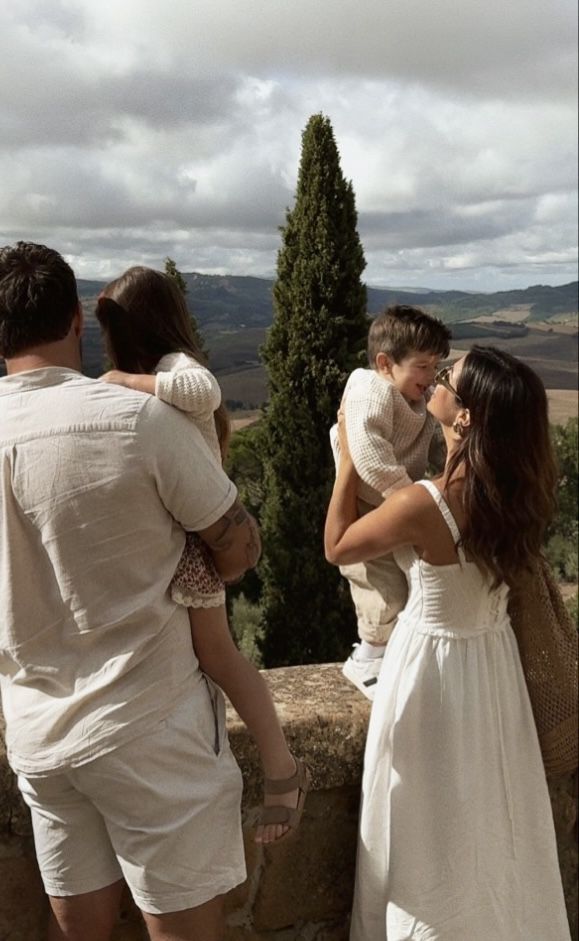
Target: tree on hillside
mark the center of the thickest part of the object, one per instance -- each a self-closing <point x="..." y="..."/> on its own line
<point x="173" y="272"/>
<point x="317" y="337"/>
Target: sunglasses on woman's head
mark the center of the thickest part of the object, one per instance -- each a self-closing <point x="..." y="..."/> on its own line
<point x="441" y="379"/>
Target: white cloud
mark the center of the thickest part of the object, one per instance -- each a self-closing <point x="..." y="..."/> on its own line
<point x="453" y="45"/>
<point x="133" y="130"/>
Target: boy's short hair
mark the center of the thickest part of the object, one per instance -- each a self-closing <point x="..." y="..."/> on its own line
<point x="38" y="297"/>
<point x="402" y="330"/>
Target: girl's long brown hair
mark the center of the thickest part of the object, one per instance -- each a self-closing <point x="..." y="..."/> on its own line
<point x="510" y="473"/>
<point x="144" y="316"/>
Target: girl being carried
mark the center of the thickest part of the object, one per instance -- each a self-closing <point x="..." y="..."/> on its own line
<point x="150" y="340"/>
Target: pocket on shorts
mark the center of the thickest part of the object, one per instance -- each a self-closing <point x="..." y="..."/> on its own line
<point x="217" y="703"/>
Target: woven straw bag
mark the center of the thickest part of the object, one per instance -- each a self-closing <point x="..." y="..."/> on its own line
<point x="547" y="640"/>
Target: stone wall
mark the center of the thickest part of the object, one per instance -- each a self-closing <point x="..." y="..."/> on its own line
<point x="302" y="889"/>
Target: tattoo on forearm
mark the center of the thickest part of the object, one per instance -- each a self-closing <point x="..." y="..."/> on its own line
<point x="236" y="516"/>
<point x="237" y="531"/>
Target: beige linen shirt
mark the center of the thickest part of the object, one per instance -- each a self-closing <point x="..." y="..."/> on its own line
<point x="97" y="483"/>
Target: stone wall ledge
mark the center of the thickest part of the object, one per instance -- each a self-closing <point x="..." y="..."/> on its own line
<point x="302" y="889"/>
<point x="325" y="721"/>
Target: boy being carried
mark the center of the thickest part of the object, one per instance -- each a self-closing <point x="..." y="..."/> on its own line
<point x="390" y="436"/>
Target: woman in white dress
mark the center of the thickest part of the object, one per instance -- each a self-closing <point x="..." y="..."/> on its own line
<point x="456" y="834"/>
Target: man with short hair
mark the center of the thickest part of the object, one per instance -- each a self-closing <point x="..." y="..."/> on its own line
<point x="116" y="737"/>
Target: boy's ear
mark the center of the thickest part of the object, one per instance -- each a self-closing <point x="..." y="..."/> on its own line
<point x="383" y="362"/>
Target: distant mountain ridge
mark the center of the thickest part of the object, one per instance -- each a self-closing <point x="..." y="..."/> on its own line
<point x="221" y="301"/>
<point x="234" y="313"/>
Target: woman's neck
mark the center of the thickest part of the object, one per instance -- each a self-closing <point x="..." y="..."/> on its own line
<point x="452" y="444"/>
<point x="450" y="439"/>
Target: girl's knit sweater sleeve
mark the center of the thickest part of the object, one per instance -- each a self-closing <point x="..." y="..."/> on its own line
<point x="192" y="389"/>
<point x="369" y="426"/>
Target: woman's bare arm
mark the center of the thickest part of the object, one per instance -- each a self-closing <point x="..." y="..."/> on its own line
<point x="395" y="523"/>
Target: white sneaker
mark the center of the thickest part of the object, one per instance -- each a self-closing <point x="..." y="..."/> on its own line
<point x="363" y="673"/>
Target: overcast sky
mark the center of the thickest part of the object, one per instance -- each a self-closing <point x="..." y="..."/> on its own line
<point x="133" y="129"/>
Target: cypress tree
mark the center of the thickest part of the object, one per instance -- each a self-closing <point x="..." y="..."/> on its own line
<point x="173" y="272"/>
<point x="317" y="337"/>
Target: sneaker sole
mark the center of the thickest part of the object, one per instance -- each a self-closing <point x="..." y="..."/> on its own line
<point x="367" y="688"/>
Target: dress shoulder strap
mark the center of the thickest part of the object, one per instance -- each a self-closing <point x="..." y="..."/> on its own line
<point x="443" y="507"/>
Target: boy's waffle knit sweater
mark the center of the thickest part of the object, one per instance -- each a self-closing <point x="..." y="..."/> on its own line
<point x="389" y="438"/>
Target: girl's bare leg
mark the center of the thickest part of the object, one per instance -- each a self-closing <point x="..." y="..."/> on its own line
<point x="249" y="694"/>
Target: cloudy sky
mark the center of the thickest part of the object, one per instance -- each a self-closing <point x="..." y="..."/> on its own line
<point x="133" y="129"/>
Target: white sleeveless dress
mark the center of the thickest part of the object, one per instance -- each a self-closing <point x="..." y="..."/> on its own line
<point x="456" y="834"/>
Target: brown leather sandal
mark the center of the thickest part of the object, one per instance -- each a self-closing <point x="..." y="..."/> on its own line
<point x="286" y="816"/>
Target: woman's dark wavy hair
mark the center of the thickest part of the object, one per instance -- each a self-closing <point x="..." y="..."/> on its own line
<point x="510" y="473"/>
<point x="143" y="316"/>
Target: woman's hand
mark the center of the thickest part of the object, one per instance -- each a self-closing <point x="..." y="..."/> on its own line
<point x="342" y="436"/>
<point x="345" y="456"/>
<point x="342" y="511"/>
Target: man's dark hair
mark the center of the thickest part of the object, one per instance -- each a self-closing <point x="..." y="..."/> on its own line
<point x="402" y="330"/>
<point x="38" y="297"/>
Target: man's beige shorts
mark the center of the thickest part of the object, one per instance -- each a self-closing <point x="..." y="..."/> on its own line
<point x="162" y="811"/>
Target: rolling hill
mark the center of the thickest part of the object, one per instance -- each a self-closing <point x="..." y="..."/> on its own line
<point x="235" y="312"/>
<point x="220" y="301"/>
